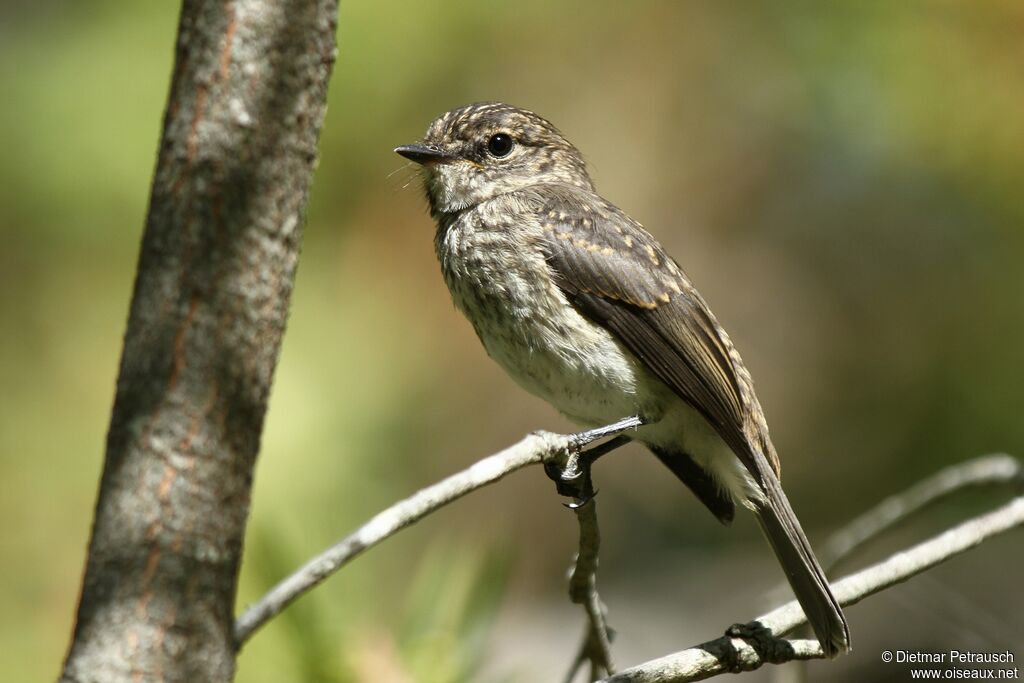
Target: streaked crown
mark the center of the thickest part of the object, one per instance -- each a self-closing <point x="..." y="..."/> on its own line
<point x="483" y="150"/>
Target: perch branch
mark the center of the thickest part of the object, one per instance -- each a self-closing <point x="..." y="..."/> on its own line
<point x="734" y="654"/>
<point x="535" y="448"/>
<point x="571" y="473"/>
<point x="982" y="471"/>
<point x="595" y="647"/>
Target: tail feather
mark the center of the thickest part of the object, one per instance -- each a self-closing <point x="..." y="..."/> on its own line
<point x="805" y="575"/>
<point x="785" y="535"/>
<point x="702" y="484"/>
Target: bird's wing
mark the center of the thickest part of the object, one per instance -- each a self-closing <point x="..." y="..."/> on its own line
<point x="617" y="275"/>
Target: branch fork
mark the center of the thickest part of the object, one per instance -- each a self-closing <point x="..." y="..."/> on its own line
<point x="570" y="470"/>
<point x="567" y="461"/>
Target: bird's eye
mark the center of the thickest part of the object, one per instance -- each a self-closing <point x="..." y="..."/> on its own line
<point x="500" y="145"/>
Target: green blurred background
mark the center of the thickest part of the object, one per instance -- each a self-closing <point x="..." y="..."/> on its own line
<point x="842" y="180"/>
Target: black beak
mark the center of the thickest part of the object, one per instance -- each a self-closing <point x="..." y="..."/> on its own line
<point x="424" y="154"/>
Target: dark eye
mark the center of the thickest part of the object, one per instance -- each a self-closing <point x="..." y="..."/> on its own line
<point x="500" y="145"/>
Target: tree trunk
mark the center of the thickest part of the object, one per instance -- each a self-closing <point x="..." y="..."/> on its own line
<point x="211" y="297"/>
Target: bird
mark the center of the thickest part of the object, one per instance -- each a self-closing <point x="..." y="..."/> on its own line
<point x="584" y="308"/>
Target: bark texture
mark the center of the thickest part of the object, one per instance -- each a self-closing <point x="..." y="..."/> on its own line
<point x="210" y="303"/>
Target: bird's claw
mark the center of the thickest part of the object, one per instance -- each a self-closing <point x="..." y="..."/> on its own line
<point x="582" y="500"/>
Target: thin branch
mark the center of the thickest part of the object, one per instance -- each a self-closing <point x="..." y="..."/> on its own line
<point x="535" y="448"/>
<point x="734" y="654"/>
<point x="722" y="655"/>
<point x="596" y="645"/>
<point x="571" y="474"/>
<point x="982" y="471"/>
<point x="745" y="647"/>
<point x="529" y="451"/>
<point x="986" y="470"/>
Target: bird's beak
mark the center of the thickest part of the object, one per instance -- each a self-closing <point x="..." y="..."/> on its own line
<point x="425" y="154"/>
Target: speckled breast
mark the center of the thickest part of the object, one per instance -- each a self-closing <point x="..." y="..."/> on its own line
<point x="493" y="263"/>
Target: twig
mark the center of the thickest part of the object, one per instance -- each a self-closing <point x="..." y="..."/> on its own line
<point x="531" y="450"/>
<point x="986" y="470"/>
<point x="734" y="654"/>
<point x="571" y="475"/>
<point x="745" y="647"/>
<point x="535" y="448"/>
<point x="595" y="647"/>
<point x="981" y="471"/>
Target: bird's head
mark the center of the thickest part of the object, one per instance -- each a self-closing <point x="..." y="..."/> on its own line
<point x="480" y="151"/>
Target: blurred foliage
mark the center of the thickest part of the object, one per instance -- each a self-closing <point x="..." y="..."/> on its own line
<point x="842" y="180"/>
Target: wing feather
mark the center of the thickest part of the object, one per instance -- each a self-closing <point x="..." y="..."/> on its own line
<point x="616" y="274"/>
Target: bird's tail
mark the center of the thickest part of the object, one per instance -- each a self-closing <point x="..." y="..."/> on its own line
<point x="805" y="575"/>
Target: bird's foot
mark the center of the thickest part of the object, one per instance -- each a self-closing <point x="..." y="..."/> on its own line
<point x="769" y="647"/>
<point x="570" y="470"/>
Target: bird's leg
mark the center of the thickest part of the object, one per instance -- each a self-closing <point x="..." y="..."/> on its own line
<point x="570" y="469"/>
<point x="581" y="439"/>
<point x="590" y="455"/>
